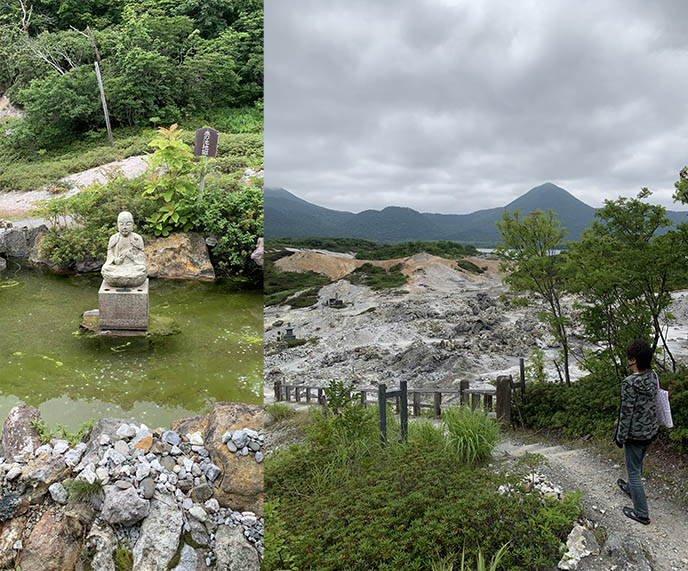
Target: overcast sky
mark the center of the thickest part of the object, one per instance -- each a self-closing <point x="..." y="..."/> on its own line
<point x="456" y="106"/>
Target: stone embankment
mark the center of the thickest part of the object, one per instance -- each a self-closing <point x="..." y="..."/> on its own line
<point x="186" y="498"/>
<point x="177" y="256"/>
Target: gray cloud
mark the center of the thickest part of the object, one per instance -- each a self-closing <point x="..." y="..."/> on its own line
<point x="455" y="106"/>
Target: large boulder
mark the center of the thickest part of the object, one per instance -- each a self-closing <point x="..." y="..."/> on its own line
<point x="53" y="545"/>
<point x="42" y="473"/>
<point x="240" y="486"/>
<point x="124" y="507"/>
<point x="19" y="437"/>
<point x="179" y="256"/>
<point x="233" y="552"/>
<point x="160" y="532"/>
<point x="16" y="244"/>
<point x="258" y="253"/>
<point x="10" y="533"/>
<point x="101" y="545"/>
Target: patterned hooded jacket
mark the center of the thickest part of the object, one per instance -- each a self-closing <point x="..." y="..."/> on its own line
<point x="638" y="411"/>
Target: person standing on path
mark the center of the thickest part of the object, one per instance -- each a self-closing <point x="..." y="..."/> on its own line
<point x="637" y="425"/>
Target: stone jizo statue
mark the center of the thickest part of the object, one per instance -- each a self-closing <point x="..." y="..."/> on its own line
<point x="126" y="261"/>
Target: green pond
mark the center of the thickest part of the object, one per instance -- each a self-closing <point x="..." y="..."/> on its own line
<point x="71" y="378"/>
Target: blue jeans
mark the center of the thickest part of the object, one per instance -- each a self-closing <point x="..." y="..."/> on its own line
<point x="634" y="468"/>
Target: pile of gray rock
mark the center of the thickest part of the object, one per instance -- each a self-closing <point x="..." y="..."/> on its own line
<point x="163" y="495"/>
<point x="244" y="441"/>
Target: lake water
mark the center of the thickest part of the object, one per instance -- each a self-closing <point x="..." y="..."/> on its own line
<point x="71" y="378"/>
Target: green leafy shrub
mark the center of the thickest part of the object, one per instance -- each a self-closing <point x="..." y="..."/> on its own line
<point x="376" y="277"/>
<point x="470" y="267"/>
<point x="535" y="369"/>
<point x="45" y="434"/>
<point x="362" y="507"/>
<point x="588" y="406"/>
<point x="81" y="224"/>
<point x="235" y="217"/>
<point x="472" y="434"/>
<point x="172" y="184"/>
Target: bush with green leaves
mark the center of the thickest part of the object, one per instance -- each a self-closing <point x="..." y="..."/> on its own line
<point x="349" y="504"/>
<point x="159" y="62"/>
<point x="233" y="213"/>
<point x="376" y="277"/>
<point x="172" y="183"/>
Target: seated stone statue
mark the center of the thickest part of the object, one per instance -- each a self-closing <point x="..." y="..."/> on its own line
<point x="126" y="261"/>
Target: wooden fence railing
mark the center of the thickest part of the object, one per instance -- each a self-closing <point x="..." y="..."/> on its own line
<point x="497" y="400"/>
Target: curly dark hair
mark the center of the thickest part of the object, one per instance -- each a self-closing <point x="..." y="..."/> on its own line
<point x="642" y="353"/>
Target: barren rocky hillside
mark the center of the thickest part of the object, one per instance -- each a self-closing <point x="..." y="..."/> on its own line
<point x="445" y="325"/>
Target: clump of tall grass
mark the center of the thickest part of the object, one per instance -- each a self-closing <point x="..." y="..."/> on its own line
<point x="449" y="563"/>
<point x="472" y="435"/>
<point x="279" y="411"/>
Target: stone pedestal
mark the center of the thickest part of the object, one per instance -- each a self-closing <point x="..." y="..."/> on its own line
<point x="123" y="308"/>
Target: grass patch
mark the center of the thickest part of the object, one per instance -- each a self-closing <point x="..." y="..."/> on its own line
<point x="279" y="412"/>
<point x="472" y="434"/>
<point x="305" y="299"/>
<point x="240" y="145"/>
<point x="82" y="490"/>
<point x="470" y="267"/>
<point x="340" y="501"/>
<point x="376" y="277"/>
<point x="278" y="285"/>
<point x="124" y="560"/>
<point x="46" y="434"/>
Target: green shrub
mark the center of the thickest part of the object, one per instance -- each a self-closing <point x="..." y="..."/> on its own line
<point x="349" y="504"/>
<point x="588" y="406"/>
<point x="235" y="217"/>
<point x="376" y="277"/>
<point x="470" y="267"/>
<point x="472" y="434"/>
<point x="174" y="189"/>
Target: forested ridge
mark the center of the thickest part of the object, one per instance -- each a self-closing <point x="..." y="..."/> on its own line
<point x="160" y="60"/>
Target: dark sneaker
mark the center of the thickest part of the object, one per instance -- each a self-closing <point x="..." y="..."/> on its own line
<point x="624" y="487"/>
<point x="630" y="512"/>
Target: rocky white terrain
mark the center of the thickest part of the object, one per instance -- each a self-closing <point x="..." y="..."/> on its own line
<point x="443" y="326"/>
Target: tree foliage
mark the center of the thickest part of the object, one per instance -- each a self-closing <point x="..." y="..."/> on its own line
<point x="160" y="61"/>
<point x="529" y="249"/>
<point x="624" y="269"/>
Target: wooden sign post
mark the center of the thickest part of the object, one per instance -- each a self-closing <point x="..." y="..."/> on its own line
<point x="206" y="146"/>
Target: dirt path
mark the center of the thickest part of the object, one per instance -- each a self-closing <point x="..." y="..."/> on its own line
<point x="19" y="205"/>
<point x="663" y="544"/>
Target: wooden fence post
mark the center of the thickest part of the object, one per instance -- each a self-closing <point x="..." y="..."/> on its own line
<point x="487" y="400"/>
<point x="277" y="391"/>
<point x="364" y="402"/>
<point x="403" y="414"/>
<point x="475" y="401"/>
<point x="504" y="400"/>
<point x="463" y="387"/>
<point x="416" y="404"/>
<point x="287" y="390"/>
<point x="382" y="406"/>
<point x="522" y="371"/>
<point x="297" y="394"/>
<point x="438" y="404"/>
<point x="321" y="397"/>
<point x="308" y="394"/>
